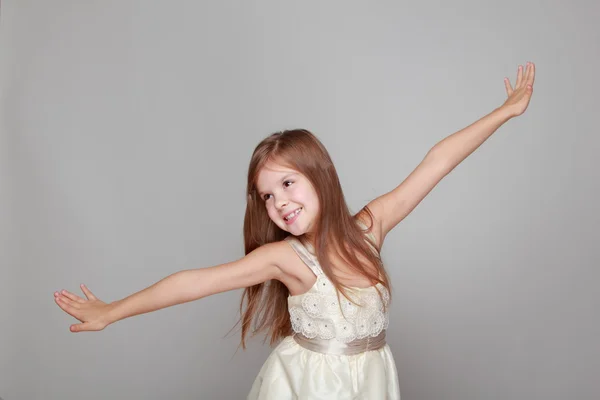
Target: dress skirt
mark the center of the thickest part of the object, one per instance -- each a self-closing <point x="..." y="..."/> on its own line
<point x="293" y="372"/>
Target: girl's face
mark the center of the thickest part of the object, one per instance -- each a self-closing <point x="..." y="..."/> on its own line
<point x="289" y="197"/>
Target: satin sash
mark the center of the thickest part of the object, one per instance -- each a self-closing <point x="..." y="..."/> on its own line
<point x="334" y="346"/>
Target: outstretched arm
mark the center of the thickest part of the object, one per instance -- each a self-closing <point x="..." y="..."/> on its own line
<point x="391" y="208"/>
<point x="256" y="267"/>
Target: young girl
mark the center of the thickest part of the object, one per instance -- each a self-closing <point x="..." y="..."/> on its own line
<point x="312" y="273"/>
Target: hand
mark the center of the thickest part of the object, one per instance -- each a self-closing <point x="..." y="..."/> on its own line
<point x="93" y="313"/>
<point x="519" y="97"/>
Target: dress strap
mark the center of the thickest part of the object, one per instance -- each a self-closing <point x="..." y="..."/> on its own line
<point x="304" y="254"/>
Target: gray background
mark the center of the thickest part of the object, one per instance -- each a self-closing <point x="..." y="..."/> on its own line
<point x="126" y="131"/>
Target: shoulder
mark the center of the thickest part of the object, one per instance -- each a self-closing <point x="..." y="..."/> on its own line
<point x="293" y="272"/>
<point x="278" y="248"/>
<point x="273" y="253"/>
<point x="279" y="253"/>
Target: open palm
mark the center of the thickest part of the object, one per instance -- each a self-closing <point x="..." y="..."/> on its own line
<point x="519" y="97"/>
<point x="91" y="312"/>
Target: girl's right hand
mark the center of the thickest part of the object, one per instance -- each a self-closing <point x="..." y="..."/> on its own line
<point x="93" y="313"/>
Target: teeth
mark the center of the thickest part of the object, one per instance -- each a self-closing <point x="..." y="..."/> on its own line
<point x="293" y="214"/>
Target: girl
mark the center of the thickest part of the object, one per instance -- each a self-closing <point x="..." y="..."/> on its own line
<point x="312" y="272"/>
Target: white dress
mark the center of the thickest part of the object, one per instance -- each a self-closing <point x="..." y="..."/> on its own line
<point x="326" y="358"/>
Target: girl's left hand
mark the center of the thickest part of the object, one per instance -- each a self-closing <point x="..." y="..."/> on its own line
<point x="519" y="97"/>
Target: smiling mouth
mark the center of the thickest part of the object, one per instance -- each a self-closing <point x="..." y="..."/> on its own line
<point x="292" y="214"/>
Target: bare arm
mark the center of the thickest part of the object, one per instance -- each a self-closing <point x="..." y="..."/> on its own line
<point x="180" y="287"/>
<point x="392" y="207"/>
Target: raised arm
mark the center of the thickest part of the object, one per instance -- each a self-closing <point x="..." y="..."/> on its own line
<point x="392" y="207"/>
<point x="256" y="267"/>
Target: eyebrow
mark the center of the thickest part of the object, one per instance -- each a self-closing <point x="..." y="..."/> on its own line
<point x="281" y="180"/>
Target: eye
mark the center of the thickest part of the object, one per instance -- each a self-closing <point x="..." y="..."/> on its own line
<point x="287" y="182"/>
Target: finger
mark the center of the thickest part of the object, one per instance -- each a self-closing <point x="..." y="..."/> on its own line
<point x="519" y="76"/>
<point x="531" y="77"/>
<point x="529" y="90"/>
<point x="69" y="302"/>
<point x="67" y="308"/>
<point x="72" y="296"/>
<point x="87" y="292"/>
<point x="85" y="327"/>
<point x="508" y="87"/>
<point x="79" y="327"/>
<point x="527" y="76"/>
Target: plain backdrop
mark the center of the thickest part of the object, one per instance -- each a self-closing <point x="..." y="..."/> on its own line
<point x="126" y="132"/>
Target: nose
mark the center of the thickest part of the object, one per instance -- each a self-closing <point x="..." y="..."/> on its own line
<point x="281" y="203"/>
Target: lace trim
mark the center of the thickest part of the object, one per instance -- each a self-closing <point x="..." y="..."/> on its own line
<point x="319" y="315"/>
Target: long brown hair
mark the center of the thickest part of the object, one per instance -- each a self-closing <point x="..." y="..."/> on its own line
<point x="336" y="229"/>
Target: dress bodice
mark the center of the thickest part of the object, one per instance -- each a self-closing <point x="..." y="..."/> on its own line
<point x="318" y="313"/>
